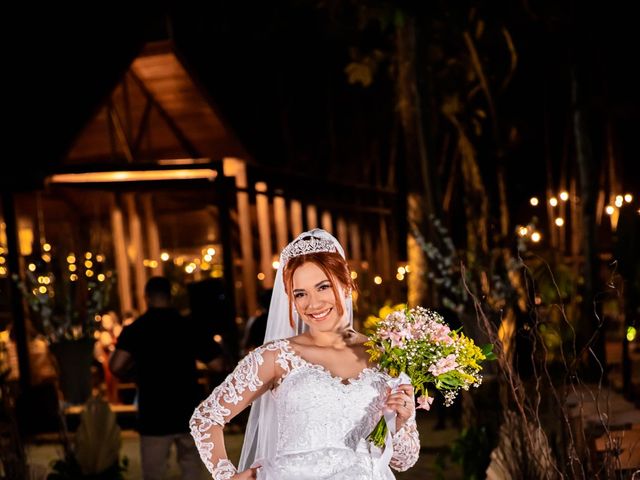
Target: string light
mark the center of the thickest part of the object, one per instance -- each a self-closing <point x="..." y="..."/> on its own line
<point x="101" y="277"/>
<point x="88" y="255"/>
<point x="275" y="265"/>
<point x="619" y="201"/>
<point x="553" y="201"/>
<point x="354" y="274"/>
<point x="46" y="257"/>
<point x="559" y="221"/>
<point x="628" y="198"/>
<point x="72" y="268"/>
<point x="89" y="273"/>
<point x="536" y="237"/>
<point x="153" y="264"/>
<point x="73" y="277"/>
<point x="261" y="276"/>
<point x="523" y="231"/>
<point x="564" y="196"/>
<point x="100" y="258"/>
<point x="211" y="251"/>
<point x="42" y="289"/>
<point x="71" y="258"/>
<point x="164" y="256"/>
<point x="534" y="201"/>
<point x="208" y="258"/>
<point x="2" y="260"/>
<point x="32" y="267"/>
<point x="46" y="247"/>
<point x="609" y="210"/>
<point x="400" y="276"/>
<point x="88" y="264"/>
<point x="377" y="280"/>
<point x="3" y="271"/>
<point x="402" y="270"/>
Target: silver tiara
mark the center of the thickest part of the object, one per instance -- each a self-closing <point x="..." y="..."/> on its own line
<point x="305" y="246"/>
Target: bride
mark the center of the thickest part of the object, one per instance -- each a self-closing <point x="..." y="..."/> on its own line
<point x="315" y="396"/>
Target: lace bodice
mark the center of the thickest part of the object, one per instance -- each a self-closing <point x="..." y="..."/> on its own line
<point x="322" y="420"/>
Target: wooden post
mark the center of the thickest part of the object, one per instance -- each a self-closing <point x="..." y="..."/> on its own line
<point x="343" y="235"/>
<point x="312" y="217"/>
<point x="121" y="260"/>
<point x="136" y="250"/>
<point x="234" y="167"/>
<point x="326" y="221"/>
<point x="17" y="306"/>
<point x="264" y="234"/>
<point x="153" y="237"/>
<point x="280" y="215"/>
<point x="296" y="217"/>
<point x="354" y="241"/>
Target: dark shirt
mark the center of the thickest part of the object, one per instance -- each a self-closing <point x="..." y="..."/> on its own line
<point x="164" y="346"/>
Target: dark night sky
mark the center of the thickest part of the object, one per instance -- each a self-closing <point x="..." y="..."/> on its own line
<point x="255" y="58"/>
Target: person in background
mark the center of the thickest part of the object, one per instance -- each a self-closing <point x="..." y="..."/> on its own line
<point x="257" y="325"/>
<point x="159" y="350"/>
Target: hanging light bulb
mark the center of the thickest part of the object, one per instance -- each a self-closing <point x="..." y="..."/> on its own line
<point x="534" y="201"/>
<point x="564" y="196"/>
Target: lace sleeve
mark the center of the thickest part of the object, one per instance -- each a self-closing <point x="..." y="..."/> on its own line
<point x="253" y="375"/>
<point x="406" y="446"/>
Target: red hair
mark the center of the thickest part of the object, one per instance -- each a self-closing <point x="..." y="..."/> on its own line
<point x="331" y="263"/>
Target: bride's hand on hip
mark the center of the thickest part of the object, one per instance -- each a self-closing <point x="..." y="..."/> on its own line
<point x="403" y="403"/>
<point x="248" y="474"/>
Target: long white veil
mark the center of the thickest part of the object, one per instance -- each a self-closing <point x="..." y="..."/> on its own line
<point x="261" y="435"/>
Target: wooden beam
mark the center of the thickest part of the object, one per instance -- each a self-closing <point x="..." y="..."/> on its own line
<point x="312" y="217"/>
<point x="264" y="234"/>
<point x="121" y="261"/>
<point x="280" y="214"/>
<point x="326" y="221"/>
<point x="136" y="250"/>
<point x="153" y="236"/>
<point x="296" y="217"/>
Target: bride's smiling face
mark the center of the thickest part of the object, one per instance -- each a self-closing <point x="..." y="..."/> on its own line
<point x="314" y="298"/>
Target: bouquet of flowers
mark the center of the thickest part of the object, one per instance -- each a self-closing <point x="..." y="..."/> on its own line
<point x="418" y="343"/>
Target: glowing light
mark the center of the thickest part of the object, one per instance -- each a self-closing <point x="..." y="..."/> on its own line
<point x="619" y="201"/>
<point x="534" y="201"/>
<point x="46" y="257"/>
<point x="261" y="276"/>
<point x="46" y="280"/>
<point x="32" y="267"/>
<point x="354" y="274"/>
<point x="406" y="268"/>
<point x="217" y="338"/>
<point x="564" y="196"/>
<point x="400" y="276"/>
<point x="275" y="265"/>
<point x="523" y="231"/>
<point x="628" y="198"/>
<point x="536" y="237"/>
<point x="88" y="255"/>
<point x="631" y="333"/>
<point x="211" y="251"/>
<point x="46" y="247"/>
<point x="402" y="270"/>
<point x="88" y="264"/>
<point x="72" y="268"/>
<point x="559" y="221"/>
<point x="377" y="280"/>
<point x="609" y="209"/>
<point x="3" y="271"/>
<point x="89" y="273"/>
<point x="164" y="256"/>
<point x="208" y="258"/>
<point x="71" y="258"/>
<point x="153" y="264"/>
<point x="73" y="277"/>
<point x="2" y="260"/>
<point x="553" y="201"/>
<point x="42" y="289"/>
<point x="101" y="277"/>
<point x="190" y="268"/>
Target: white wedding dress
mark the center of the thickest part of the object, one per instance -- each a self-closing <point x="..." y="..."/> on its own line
<point x="323" y="420"/>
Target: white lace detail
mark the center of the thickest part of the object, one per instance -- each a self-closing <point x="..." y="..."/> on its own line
<point x="224" y="470"/>
<point x="212" y="412"/>
<point x="406" y="446"/>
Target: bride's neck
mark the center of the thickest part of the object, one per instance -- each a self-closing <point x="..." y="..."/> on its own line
<point x="337" y="338"/>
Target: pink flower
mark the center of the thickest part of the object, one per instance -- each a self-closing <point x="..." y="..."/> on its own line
<point x="444" y="365"/>
<point x="397" y="339"/>
<point x="425" y="402"/>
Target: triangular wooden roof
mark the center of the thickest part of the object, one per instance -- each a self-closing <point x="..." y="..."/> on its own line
<point x="156" y="112"/>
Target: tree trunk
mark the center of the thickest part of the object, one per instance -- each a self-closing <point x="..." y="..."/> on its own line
<point x="420" y="202"/>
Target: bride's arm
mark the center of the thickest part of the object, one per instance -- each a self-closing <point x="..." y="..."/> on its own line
<point x="253" y="376"/>
<point x="406" y="446"/>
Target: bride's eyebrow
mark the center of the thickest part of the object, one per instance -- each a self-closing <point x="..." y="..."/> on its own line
<point x="315" y="286"/>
